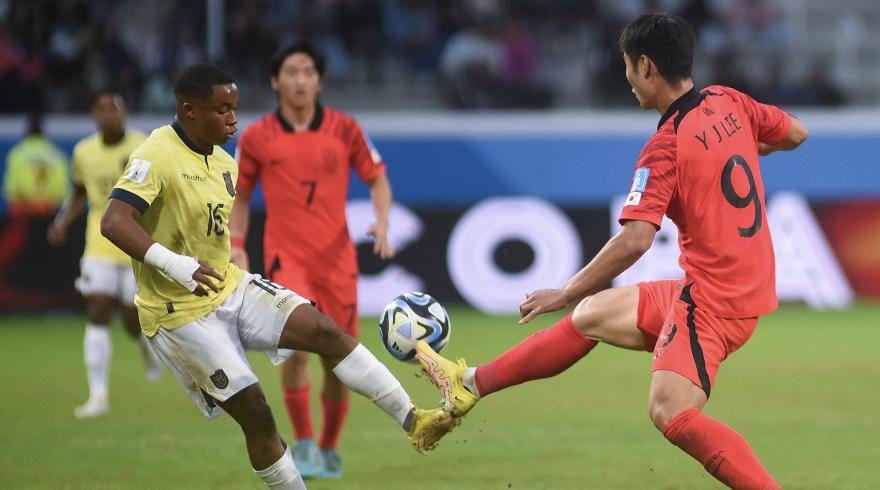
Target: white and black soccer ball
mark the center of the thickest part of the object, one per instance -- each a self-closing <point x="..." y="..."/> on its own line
<point x="409" y="318"/>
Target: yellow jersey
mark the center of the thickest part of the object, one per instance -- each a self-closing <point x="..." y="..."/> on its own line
<point x="96" y="167"/>
<point x="185" y="199"/>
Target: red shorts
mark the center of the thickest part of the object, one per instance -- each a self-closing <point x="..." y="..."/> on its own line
<point x="338" y="301"/>
<point x="684" y="338"/>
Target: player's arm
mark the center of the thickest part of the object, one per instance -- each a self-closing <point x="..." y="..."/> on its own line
<point x="621" y="252"/>
<point x="72" y="207"/>
<point x="368" y="164"/>
<point x="797" y="134"/>
<point x="249" y="156"/>
<point x="238" y="227"/>
<point x="775" y="129"/>
<point x="119" y="225"/>
<point x="380" y="195"/>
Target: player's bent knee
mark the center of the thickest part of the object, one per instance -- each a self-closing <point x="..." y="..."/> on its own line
<point x="260" y="417"/>
<point x="251" y="410"/>
<point x="309" y="330"/>
<point x="671" y="394"/>
<point x="664" y="406"/>
<point x="332" y="341"/>
<point x="610" y="316"/>
<point x="659" y="414"/>
<point x="585" y="318"/>
<point x="590" y="317"/>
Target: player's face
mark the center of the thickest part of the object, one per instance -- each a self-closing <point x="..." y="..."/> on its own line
<point x="636" y="75"/>
<point x="298" y="81"/>
<point x="215" y="115"/>
<point x="109" y="112"/>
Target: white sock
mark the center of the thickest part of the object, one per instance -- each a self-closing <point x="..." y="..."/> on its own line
<point x="365" y="375"/>
<point x="282" y="475"/>
<point x="469" y="380"/>
<point x="97" y="353"/>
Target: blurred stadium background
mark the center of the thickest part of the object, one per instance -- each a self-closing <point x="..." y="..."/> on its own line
<point x="510" y="133"/>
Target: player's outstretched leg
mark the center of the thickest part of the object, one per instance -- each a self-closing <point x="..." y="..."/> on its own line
<point x="609" y="316"/>
<point x="269" y="456"/>
<point x="310" y="330"/>
<point x="152" y="365"/>
<point x="675" y="404"/>
<point x="544" y="354"/>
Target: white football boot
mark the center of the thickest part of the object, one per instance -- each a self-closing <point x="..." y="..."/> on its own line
<point x="94" y="407"/>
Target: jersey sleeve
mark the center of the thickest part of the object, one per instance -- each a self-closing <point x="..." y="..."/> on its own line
<point x="769" y="122"/>
<point x="249" y="159"/>
<point x="365" y="158"/>
<point x="142" y="180"/>
<point x="653" y="183"/>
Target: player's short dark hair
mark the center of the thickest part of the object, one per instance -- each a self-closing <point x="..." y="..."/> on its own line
<point x="668" y="40"/>
<point x="109" y="91"/>
<point x="303" y="47"/>
<point x="197" y="81"/>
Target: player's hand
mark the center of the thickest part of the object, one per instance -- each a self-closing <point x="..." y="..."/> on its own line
<point x="381" y="246"/>
<point x="239" y="257"/>
<point x="203" y="276"/>
<point x="56" y="234"/>
<point x="541" y="301"/>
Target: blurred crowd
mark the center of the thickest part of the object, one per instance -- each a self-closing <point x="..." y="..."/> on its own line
<point x="464" y="53"/>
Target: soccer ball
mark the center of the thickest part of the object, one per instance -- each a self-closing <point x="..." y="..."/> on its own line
<point x="409" y="318"/>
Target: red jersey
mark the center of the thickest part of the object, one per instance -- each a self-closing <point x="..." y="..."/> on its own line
<point x="701" y="169"/>
<point x="305" y="177"/>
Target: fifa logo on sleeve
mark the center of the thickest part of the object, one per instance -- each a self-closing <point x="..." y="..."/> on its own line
<point x="137" y="170"/>
<point x="640" y="180"/>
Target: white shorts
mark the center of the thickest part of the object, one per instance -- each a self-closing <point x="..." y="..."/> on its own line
<point x="102" y="277"/>
<point x="208" y="355"/>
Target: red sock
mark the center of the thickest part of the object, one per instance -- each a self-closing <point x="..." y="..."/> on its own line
<point x="544" y="354"/>
<point x="333" y="418"/>
<point x="298" y="409"/>
<point x="721" y="450"/>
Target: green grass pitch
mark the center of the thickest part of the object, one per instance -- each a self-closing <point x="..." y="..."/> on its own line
<point x="804" y="391"/>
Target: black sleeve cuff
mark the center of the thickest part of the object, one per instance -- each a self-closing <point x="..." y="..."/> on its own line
<point x="131" y="198"/>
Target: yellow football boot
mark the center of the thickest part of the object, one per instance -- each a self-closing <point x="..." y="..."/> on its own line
<point x="446" y="376"/>
<point x="428" y="427"/>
